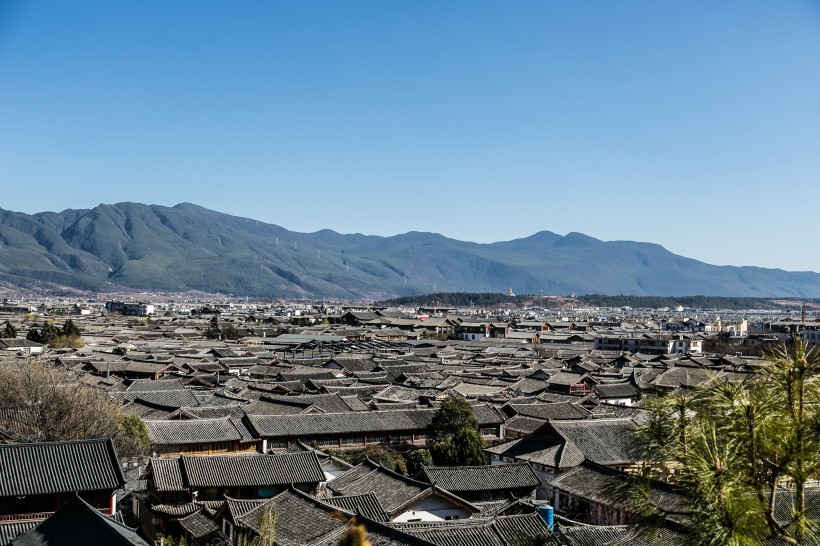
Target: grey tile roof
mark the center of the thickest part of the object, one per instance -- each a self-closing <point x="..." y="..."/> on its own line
<point x="454" y="534"/>
<point x="616" y="390"/>
<point x="167" y="475"/>
<point x="515" y="530"/>
<point x="556" y="410"/>
<point x="145" y="385"/>
<point x="548" y="451"/>
<point x="594" y="535"/>
<point x="239" y="507"/>
<point x="684" y="376"/>
<point x="9" y="531"/>
<point x="551" y="397"/>
<point x="300" y="519"/>
<point x="165" y="399"/>
<point x="499" y="531"/>
<point x="487" y="415"/>
<point x="330" y="403"/>
<point x="199" y="525"/>
<point x="665" y="536"/>
<point x="244" y="430"/>
<point x="528" y="385"/>
<point x="603" y="485"/>
<point x="523" y="425"/>
<point x="591" y="483"/>
<point x="59" y="467"/>
<point x="566" y="378"/>
<point x="397" y="393"/>
<point x="603" y="441"/>
<point x="481" y="478"/>
<point x="193" y="431"/>
<point x="214" y="412"/>
<point x="252" y="470"/>
<point x="355" y="403"/>
<point x="621" y="535"/>
<point x="391" y="489"/>
<point x="176" y="509"/>
<point x="306" y="425"/>
<point x="366" y="505"/>
<point x="379" y="534"/>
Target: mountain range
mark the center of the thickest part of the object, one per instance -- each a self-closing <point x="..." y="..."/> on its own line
<point x="187" y="247"/>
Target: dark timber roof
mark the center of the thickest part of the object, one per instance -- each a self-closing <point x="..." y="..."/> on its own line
<point x="79" y="523"/>
<point x="59" y="467"/>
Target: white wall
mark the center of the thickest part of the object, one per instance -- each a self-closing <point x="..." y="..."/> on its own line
<point x="432" y="509"/>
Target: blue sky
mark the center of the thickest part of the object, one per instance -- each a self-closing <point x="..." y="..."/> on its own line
<point x="692" y="124"/>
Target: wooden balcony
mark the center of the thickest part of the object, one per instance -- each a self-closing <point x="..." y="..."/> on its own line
<point x="36" y="516"/>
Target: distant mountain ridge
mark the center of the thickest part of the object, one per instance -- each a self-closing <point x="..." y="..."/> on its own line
<point x="187" y="247"/>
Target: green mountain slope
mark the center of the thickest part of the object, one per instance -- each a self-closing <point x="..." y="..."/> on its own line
<point x="187" y="247"/>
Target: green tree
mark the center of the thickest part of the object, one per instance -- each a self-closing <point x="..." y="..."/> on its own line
<point x="164" y="540"/>
<point x="213" y="331"/>
<point x="453" y="437"/>
<point x="10" y="332"/>
<point x="48" y="334"/>
<point x="469" y="447"/>
<point x="33" y="334"/>
<point x="418" y="459"/>
<point x="743" y="452"/>
<point x="229" y="331"/>
<point x="131" y="438"/>
<point x="454" y="414"/>
<point x="383" y="457"/>
<point x="70" y="329"/>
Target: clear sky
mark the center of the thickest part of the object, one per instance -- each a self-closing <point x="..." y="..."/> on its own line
<point x="692" y="124"/>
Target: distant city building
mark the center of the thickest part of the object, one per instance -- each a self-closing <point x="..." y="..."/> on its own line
<point x="811" y="337"/>
<point x="138" y="309"/>
<point x="649" y="344"/>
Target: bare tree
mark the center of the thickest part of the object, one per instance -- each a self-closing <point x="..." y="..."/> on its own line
<point x="52" y="404"/>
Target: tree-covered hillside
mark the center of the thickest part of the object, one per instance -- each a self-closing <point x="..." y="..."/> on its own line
<point x="186" y="247"/>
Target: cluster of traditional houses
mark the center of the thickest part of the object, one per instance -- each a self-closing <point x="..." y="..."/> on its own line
<point x="242" y="430"/>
